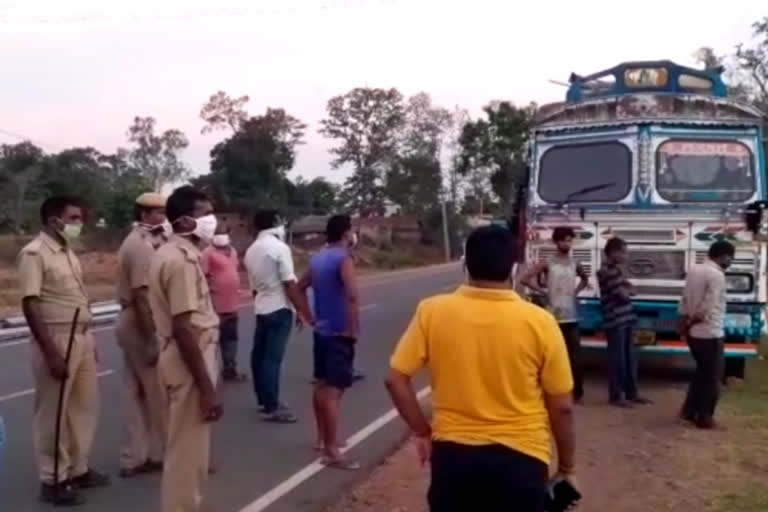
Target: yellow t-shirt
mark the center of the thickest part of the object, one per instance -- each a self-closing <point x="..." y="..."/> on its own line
<point x="492" y="356"/>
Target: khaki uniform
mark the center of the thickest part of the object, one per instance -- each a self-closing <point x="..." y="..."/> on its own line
<point x="145" y="405"/>
<point x="51" y="271"/>
<point x="176" y="286"/>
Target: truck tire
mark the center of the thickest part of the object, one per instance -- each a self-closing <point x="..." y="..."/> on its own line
<point x="735" y="367"/>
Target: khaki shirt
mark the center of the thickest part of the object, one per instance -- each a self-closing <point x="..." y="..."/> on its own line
<point x="177" y="285"/>
<point x="134" y="258"/>
<point x="51" y="272"/>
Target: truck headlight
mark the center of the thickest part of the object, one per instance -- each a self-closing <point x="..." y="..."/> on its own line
<point x="738" y="283"/>
<point x="738" y="321"/>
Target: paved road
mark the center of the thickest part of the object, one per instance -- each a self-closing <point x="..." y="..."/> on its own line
<point x="261" y="467"/>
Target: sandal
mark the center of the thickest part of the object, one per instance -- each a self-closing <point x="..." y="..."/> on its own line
<point x="343" y="464"/>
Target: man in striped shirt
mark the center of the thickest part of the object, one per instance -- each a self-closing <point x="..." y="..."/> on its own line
<point x="618" y="320"/>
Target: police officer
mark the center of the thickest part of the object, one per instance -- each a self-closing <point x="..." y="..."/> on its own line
<point x="187" y="328"/>
<point x="144" y="402"/>
<point x="52" y="288"/>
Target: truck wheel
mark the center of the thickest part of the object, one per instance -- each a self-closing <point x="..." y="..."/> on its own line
<point x="735" y="367"/>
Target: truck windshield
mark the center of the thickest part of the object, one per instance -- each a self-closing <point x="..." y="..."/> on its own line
<point x="701" y="170"/>
<point x="597" y="172"/>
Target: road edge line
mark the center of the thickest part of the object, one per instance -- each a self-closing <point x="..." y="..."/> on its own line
<point x="286" y="486"/>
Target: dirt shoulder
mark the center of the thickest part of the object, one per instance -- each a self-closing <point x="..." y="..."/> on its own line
<point x="632" y="461"/>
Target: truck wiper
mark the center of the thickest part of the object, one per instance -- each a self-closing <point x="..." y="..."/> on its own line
<point x="585" y="190"/>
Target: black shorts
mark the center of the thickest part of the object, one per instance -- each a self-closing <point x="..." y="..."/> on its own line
<point x="488" y="478"/>
<point x="334" y="360"/>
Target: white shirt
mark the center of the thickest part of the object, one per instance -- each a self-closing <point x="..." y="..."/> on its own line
<point x="705" y="296"/>
<point x="269" y="264"/>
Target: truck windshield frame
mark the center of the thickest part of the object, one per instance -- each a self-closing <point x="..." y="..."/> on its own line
<point x="570" y="167"/>
<point x="705" y="170"/>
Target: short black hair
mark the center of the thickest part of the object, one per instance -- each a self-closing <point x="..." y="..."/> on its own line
<point x="490" y="253"/>
<point x="265" y="219"/>
<point x="182" y="202"/>
<point x="562" y="232"/>
<point x="54" y="206"/>
<point x="337" y="226"/>
<point x="721" y="248"/>
<point x="614" y="245"/>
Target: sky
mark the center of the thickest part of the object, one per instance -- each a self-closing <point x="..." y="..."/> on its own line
<point x="75" y="73"/>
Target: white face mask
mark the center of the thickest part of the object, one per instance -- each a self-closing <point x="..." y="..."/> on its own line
<point x="220" y="240"/>
<point x="278" y="231"/>
<point x="206" y="228"/>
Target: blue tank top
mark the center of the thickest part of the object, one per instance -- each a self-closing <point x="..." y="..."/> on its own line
<point x="328" y="290"/>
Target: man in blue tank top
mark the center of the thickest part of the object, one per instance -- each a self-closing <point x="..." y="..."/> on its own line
<point x="332" y="277"/>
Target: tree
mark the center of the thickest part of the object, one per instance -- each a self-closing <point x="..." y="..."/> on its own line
<point x="414" y="183"/>
<point x="367" y="124"/>
<point x="496" y="147"/>
<point x="752" y="62"/>
<point x="156" y="157"/>
<point x="20" y="166"/>
<point x="316" y="197"/>
<point x="79" y="172"/>
<point x="222" y="112"/>
<point x="248" y="170"/>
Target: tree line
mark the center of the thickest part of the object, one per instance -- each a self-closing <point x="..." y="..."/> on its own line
<point x="406" y="153"/>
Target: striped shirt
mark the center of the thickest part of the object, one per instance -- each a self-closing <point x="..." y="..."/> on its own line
<point x="614" y="296"/>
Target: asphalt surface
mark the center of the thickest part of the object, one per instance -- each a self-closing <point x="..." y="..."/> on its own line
<point x="260" y="466"/>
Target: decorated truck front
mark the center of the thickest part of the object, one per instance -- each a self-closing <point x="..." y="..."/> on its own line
<point x="656" y="154"/>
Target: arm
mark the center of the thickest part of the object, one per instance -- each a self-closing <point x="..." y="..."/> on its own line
<point x="349" y="279"/>
<point x="284" y="260"/>
<point x="30" y="270"/>
<point x="531" y="276"/>
<point x="409" y="357"/>
<point x="557" y="384"/>
<point x="583" y="279"/>
<point x="146" y="324"/>
<point x="560" y="411"/>
<point x="183" y="301"/>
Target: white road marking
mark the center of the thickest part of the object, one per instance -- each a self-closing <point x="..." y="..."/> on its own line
<point x="315" y="467"/>
<point x="110" y="327"/>
<point x="105" y="373"/>
<point x="28" y="392"/>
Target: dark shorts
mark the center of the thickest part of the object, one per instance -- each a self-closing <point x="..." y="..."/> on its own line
<point x="502" y="479"/>
<point x="334" y="360"/>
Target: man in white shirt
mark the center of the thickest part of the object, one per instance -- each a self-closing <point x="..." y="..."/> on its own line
<point x="702" y="314"/>
<point x="269" y="263"/>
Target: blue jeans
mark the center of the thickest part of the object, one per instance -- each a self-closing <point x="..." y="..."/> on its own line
<point x="269" y="342"/>
<point x="622" y="364"/>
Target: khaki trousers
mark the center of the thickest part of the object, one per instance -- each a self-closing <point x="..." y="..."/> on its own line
<point x="80" y="407"/>
<point x="185" y="471"/>
<point x="145" y="404"/>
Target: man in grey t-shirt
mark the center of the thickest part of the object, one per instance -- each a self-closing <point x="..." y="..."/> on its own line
<point x="565" y="279"/>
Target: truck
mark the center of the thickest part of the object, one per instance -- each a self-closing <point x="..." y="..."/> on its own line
<point x="659" y="155"/>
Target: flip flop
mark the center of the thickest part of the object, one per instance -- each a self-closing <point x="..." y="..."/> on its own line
<point x="319" y="447"/>
<point x="343" y="464"/>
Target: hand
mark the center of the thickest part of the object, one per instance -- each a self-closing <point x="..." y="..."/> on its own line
<point x="211" y="409"/>
<point x="151" y="355"/>
<point x="57" y="367"/>
<point x="302" y="321"/>
<point x="571" y="479"/>
<point x="423" y="449"/>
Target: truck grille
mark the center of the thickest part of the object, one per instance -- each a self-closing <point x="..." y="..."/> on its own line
<point x="646" y="236"/>
<point x="742" y="259"/>
<point x="656" y="264"/>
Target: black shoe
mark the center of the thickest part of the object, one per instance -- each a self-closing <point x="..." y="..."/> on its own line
<point x="641" y="401"/>
<point x="62" y="495"/>
<point x="90" y="479"/>
<point x="358" y="376"/>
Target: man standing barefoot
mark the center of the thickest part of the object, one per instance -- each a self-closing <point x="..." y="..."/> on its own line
<point x="337" y="324"/>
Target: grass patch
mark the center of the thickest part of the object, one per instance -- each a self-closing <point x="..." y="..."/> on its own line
<point x="746" y="411"/>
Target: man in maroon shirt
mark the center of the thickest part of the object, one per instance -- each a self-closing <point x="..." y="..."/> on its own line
<point x="220" y="264"/>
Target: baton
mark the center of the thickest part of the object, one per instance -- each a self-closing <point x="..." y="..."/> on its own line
<point x="60" y="405"/>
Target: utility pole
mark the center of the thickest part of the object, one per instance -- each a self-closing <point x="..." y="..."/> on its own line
<point x="446" y="238"/>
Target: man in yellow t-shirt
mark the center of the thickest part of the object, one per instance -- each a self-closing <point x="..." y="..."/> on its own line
<point x="500" y="377"/>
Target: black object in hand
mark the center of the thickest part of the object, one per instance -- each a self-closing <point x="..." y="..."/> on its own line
<point x="561" y="496"/>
